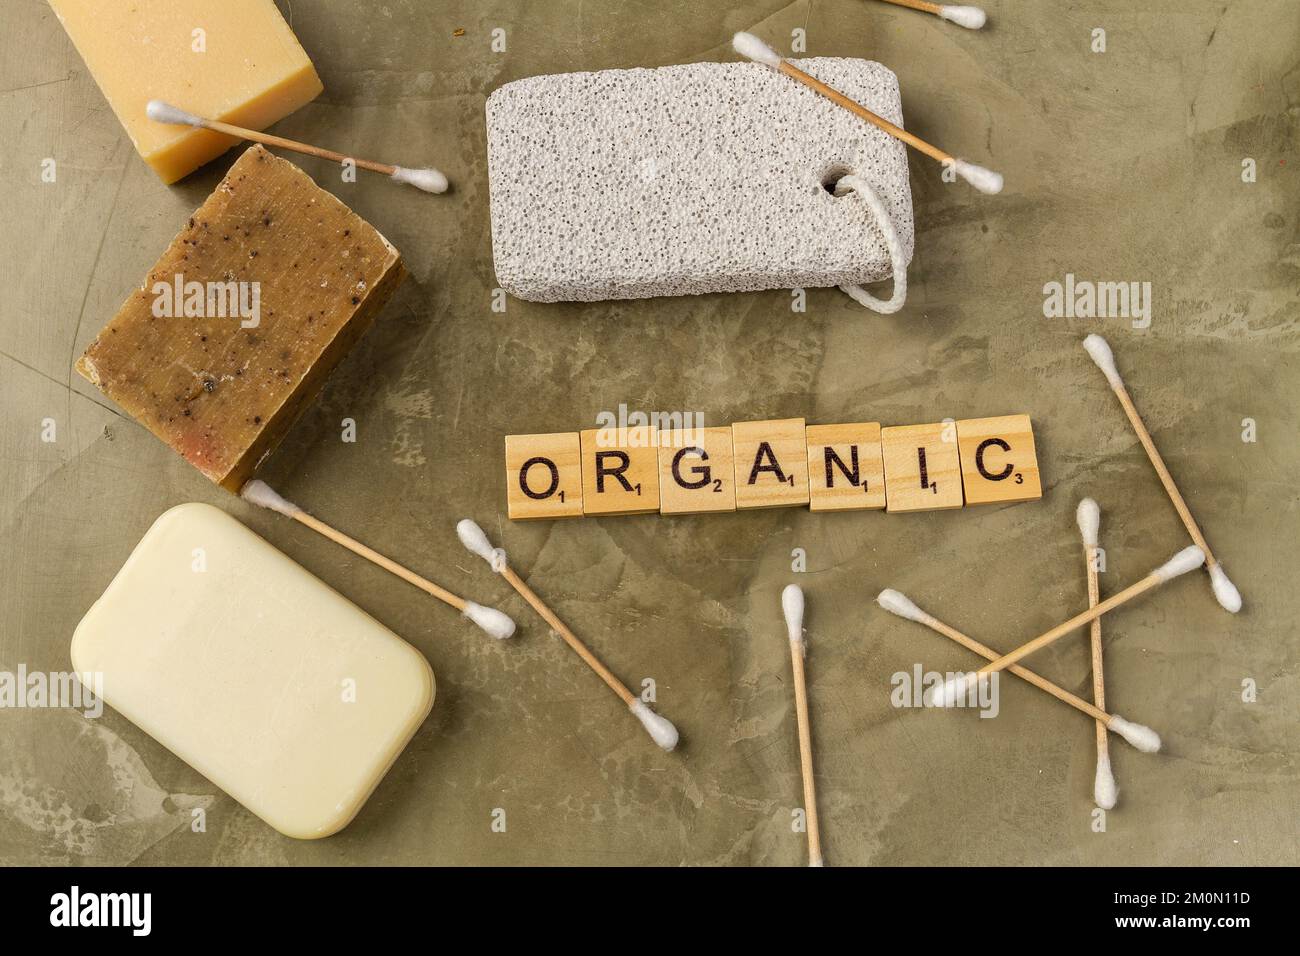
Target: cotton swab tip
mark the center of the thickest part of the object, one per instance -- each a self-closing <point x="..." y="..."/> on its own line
<point x="950" y="691"/>
<point x="430" y="180"/>
<point x="1143" y="738"/>
<point x="259" y="493"/>
<point x="1089" y="517"/>
<point x="474" y="539"/>
<point x="1225" y="592"/>
<point x="1100" y="351"/>
<point x="897" y="603"/>
<point x="493" y="622"/>
<point x="1104" y="791"/>
<point x="1188" y="559"/>
<point x="985" y="180"/>
<point x="660" y="729"/>
<point x="751" y="47"/>
<point x="972" y="18"/>
<point x="792" y="605"/>
<point x="161" y="112"/>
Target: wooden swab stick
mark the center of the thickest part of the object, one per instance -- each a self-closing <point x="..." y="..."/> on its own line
<point x="1225" y="592"/>
<point x="429" y="179"/>
<point x="489" y="619"/>
<point x="1088" y="516"/>
<point x="972" y="18"/>
<point x="792" y="605"/>
<point x="1141" y="737"/>
<point x="955" y="687"/>
<point x="748" y="45"/>
<point x="659" y="728"/>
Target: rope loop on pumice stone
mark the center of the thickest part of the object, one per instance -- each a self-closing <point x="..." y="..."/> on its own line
<point x="860" y="295"/>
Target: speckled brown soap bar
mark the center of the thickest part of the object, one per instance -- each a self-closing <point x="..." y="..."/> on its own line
<point x="288" y="280"/>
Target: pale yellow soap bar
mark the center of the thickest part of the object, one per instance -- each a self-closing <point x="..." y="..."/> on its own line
<point x="276" y="688"/>
<point x="231" y="60"/>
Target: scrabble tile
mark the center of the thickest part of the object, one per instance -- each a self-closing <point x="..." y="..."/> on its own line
<point x="543" y="476"/>
<point x="695" y="471"/>
<point x="922" y="469"/>
<point x="620" y="471"/>
<point x="771" y="463"/>
<point x="846" y="471"/>
<point x="998" y="461"/>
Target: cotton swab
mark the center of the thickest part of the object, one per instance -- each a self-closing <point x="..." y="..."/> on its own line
<point x="748" y="45"/>
<point x="1186" y="560"/>
<point x="660" y="729"/>
<point x="972" y="18"/>
<point x="1141" y="737"/>
<point x="491" y="620"/>
<point x="1225" y="592"/>
<point x="1088" y="515"/>
<point x="429" y="179"/>
<point x="792" y="605"/>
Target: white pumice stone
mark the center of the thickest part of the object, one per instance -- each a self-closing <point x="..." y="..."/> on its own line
<point x="682" y="180"/>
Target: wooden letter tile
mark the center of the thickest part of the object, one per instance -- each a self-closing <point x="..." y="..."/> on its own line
<point x="998" y="461"/>
<point x="620" y="471"/>
<point x="771" y="463"/>
<point x="846" y="471"/>
<point x="695" y="471"/>
<point x="543" y="476"/>
<point x="922" y="470"/>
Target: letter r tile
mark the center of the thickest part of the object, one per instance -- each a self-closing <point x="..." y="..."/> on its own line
<point x="620" y="470"/>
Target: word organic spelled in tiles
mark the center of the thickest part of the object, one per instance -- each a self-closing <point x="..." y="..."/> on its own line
<point x="772" y="464"/>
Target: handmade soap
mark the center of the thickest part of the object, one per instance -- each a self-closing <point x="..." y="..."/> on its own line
<point x="235" y="61"/>
<point x="235" y="328"/>
<point x="273" y="686"/>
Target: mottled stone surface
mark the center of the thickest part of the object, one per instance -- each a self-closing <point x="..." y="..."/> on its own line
<point x="1123" y="165"/>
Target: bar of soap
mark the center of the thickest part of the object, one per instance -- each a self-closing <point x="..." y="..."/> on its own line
<point x="222" y="387"/>
<point x="273" y="686"/>
<point x="243" y="66"/>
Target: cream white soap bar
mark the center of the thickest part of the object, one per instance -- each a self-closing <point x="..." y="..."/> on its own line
<point x="276" y="688"/>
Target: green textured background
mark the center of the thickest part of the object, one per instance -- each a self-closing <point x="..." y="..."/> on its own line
<point x="1120" y="166"/>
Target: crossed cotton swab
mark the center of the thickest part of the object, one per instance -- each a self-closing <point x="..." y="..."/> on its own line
<point x="491" y="620"/>
<point x="1225" y="592"/>
<point x="661" y="729"/>
<point x="792" y="605"/>
<point x="748" y="45"/>
<point x="1141" y="737"/>
<point x="1088" y="516"/>
<point x="955" y="687"/>
<point x="972" y="18"/>
<point x="430" y="180"/>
